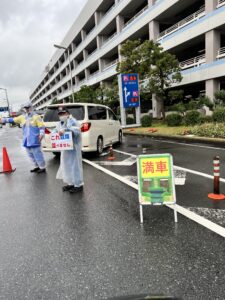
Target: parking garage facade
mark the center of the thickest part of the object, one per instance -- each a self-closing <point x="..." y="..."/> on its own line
<point x="192" y="30"/>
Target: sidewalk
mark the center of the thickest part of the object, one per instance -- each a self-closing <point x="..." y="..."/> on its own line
<point x="168" y="133"/>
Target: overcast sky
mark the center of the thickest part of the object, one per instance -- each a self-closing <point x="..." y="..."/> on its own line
<point x="28" y="30"/>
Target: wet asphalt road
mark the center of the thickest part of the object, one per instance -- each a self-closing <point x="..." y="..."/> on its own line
<point x="91" y="245"/>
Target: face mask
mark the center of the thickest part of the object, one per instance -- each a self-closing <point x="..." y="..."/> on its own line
<point x="63" y="118"/>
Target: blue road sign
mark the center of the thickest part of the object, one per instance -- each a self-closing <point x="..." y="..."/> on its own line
<point x="130" y="90"/>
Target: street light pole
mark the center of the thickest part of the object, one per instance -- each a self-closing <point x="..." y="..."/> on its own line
<point x="7" y="99"/>
<point x="71" y="78"/>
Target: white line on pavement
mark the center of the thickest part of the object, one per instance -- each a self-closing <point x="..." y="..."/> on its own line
<point x="185" y="212"/>
<point x="189" y="145"/>
<point x="183" y="169"/>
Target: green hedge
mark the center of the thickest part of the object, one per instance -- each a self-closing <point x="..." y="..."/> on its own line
<point x="130" y="121"/>
<point x="174" y="119"/>
<point x="192" y="117"/>
<point x="146" y="121"/>
<point x="219" y="115"/>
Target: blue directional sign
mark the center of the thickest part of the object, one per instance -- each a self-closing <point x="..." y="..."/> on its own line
<point x="130" y="90"/>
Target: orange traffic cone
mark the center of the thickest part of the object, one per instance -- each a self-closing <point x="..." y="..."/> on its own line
<point x="7" y="167"/>
<point x="111" y="155"/>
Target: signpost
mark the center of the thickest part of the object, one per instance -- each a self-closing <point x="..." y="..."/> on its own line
<point x="156" y="181"/>
<point x="129" y="96"/>
<point x="63" y="142"/>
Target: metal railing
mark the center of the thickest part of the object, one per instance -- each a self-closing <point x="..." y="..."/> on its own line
<point x="193" y="62"/>
<point x="220" y="3"/>
<point x="109" y="65"/>
<point x="94" y="74"/>
<point x="195" y="16"/>
<point x="136" y="16"/>
<point x="221" y="53"/>
<point x="109" y="39"/>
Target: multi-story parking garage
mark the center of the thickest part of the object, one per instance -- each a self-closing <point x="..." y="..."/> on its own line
<point x="192" y="30"/>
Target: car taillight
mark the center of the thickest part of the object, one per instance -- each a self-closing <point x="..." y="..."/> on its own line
<point x="47" y="131"/>
<point x="85" y="127"/>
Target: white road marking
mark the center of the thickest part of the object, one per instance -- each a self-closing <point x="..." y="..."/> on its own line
<point x="190" y="145"/>
<point x="185" y="212"/>
<point x="184" y="169"/>
<point x="126" y="162"/>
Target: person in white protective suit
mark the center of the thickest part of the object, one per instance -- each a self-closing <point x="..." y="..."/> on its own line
<point x="70" y="169"/>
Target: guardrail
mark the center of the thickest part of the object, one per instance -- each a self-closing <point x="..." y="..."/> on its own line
<point x="94" y="74"/>
<point x="221" y="53"/>
<point x="195" y="16"/>
<point x="220" y="3"/>
<point x="136" y="16"/>
<point x="109" y="65"/>
<point x="193" y="62"/>
<point x="109" y="39"/>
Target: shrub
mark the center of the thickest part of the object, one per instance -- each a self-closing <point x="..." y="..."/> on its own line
<point x="220" y="97"/>
<point x="146" y="121"/>
<point x="192" y="117"/>
<point x="219" y="115"/>
<point x="130" y="121"/>
<point x="206" y="119"/>
<point x="213" y="130"/>
<point x="174" y="119"/>
<point x="192" y="105"/>
<point x="204" y="100"/>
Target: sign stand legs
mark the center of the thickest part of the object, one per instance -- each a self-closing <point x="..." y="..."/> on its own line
<point x="175" y="213"/>
<point x="141" y="214"/>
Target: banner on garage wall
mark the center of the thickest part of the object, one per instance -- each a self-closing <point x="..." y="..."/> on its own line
<point x="63" y="142"/>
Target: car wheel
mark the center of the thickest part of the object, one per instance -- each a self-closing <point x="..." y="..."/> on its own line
<point x="99" y="145"/>
<point x="120" y="137"/>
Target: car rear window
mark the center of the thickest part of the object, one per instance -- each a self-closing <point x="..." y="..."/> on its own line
<point x="96" y="113"/>
<point x="51" y="114"/>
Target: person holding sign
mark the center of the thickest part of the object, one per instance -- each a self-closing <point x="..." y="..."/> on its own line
<point x="33" y="132"/>
<point x="70" y="169"/>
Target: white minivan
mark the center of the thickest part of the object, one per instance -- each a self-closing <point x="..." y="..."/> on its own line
<point x="99" y="125"/>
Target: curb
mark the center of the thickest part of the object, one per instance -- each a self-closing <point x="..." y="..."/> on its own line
<point x="188" y="139"/>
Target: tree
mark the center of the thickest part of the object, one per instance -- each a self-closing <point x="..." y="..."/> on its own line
<point x="55" y="101"/>
<point x="158" y="68"/>
<point x="86" y="94"/>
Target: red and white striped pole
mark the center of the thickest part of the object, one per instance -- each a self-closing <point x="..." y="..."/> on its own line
<point x="216" y="174"/>
<point x="216" y="186"/>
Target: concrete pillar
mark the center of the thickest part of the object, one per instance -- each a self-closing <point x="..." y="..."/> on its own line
<point x="83" y="34"/>
<point x="212" y="45"/>
<point x="73" y="46"/>
<point x="75" y="63"/>
<point x="98" y="17"/>
<point x="152" y="2"/>
<point x="77" y="80"/>
<point x="99" y="41"/>
<point x="85" y="54"/>
<point x="119" y="23"/>
<point x="101" y="64"/>
<point x="210" y="5"/>
<point x="211" y="86"/>
<point x="153" y="30"/>
<point x="87" y="74"/>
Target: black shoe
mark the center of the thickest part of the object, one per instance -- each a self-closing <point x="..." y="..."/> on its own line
<point x="41" y="171"/>
<point x="34" y="170"/>
<point x="76" y="189"/>
<point x="67" y="188"/>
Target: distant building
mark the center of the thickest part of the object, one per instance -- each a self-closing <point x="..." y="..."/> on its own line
<point x="192" y="30"/>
